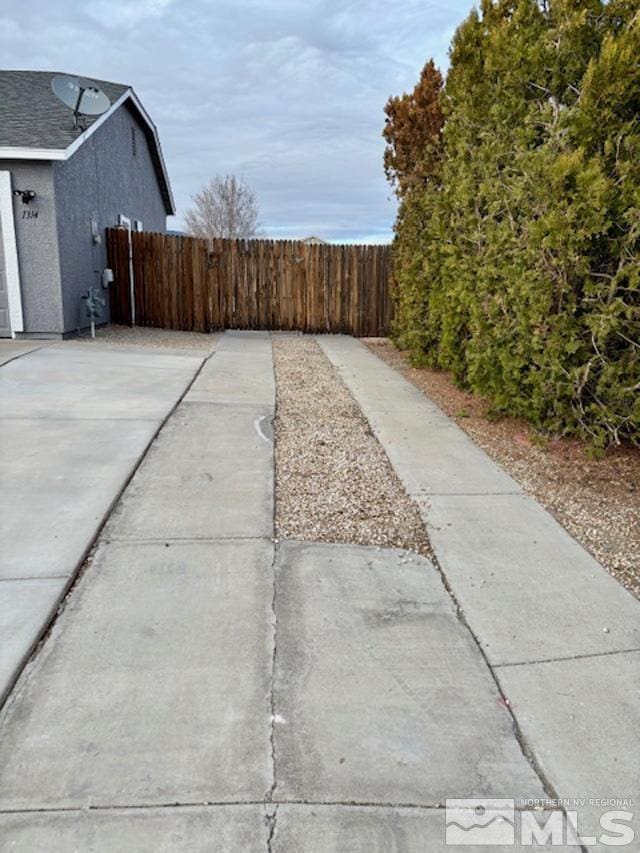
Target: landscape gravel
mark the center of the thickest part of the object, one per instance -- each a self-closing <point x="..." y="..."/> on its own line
<point x="144" y="336"/>
<point x="596" y="500"/>
<point x="334" y="482"/>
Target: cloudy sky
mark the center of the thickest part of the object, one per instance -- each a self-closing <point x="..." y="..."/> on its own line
<point x="288" y="94"/>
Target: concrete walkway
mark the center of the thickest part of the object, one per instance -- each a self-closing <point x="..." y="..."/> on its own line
<point x="562" y="637"/>
<point x="75" y="419"/>
<point x="207" y="688"/>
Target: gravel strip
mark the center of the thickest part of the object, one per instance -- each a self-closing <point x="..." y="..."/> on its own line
<point x="334" y="482"/>
<point x="596" y="500"/>
<point x="144" y="336"/>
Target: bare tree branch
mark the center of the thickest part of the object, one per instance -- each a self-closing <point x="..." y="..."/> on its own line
<point x="225" y="207"/>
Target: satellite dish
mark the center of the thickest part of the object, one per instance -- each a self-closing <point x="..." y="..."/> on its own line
<point x="81" y="96"/>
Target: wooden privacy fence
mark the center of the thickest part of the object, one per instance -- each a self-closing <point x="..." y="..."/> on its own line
<point x="199" y="285"/>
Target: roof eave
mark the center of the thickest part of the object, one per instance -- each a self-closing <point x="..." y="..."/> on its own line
<point x="171" y="207"/>
<point x="12" y="152"/>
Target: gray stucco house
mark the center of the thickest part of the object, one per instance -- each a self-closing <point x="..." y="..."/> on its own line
<point x="110" y="173"/>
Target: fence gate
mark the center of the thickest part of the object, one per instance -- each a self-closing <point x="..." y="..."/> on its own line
<point x="200" y="285"/>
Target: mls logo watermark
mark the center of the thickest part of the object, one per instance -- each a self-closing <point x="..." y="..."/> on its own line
<point x="480" y="822"/>
<point x="497" y="823"/>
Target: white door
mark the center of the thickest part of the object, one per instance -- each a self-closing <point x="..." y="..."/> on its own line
<point x="10" y="297"/>
<point x="5" y="319"/>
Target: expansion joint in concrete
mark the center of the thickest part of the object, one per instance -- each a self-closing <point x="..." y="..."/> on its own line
<point x="34" y="578"/>
<point x="561" y="659"/>
<point x="87" y="556"/>
<point x="25" y="352"/>
<point x="75" y="419"/>
<point x="181" y="540"/>
<point x="272" y="699"/>
<point x="271" y="806"/>
<point x="274" y="619"/>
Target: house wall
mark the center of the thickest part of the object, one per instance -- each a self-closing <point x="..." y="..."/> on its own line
<point x="101" y="180"/>
<point x="37" y="244"/>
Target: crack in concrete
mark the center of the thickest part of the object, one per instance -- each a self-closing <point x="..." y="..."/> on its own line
<point x="270" y="820"/>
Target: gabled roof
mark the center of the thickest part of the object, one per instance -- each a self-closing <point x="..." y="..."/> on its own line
<point x="35" y="125"/>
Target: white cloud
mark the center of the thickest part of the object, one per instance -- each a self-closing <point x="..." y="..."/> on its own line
<point x="290" y="94"/>
<point x="125" y="14"/>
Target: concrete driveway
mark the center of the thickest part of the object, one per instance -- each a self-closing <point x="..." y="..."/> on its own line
<point x="208" y="688"/>
<point x="75" y="420"/>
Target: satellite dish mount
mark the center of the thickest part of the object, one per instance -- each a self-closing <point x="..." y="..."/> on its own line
<point x="82" y="97"/>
